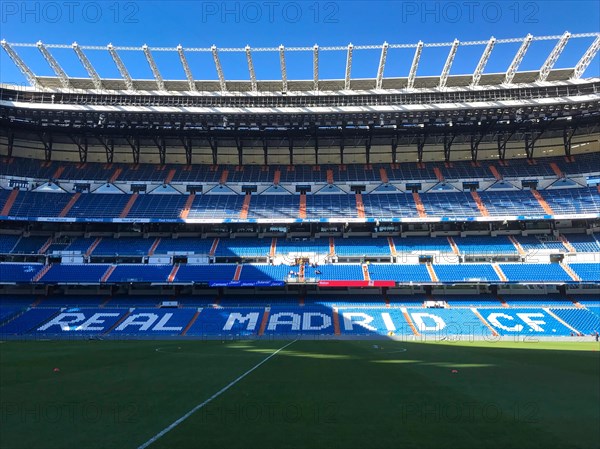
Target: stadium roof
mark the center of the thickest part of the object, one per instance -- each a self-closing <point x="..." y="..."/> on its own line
<point x="512" y="75"/>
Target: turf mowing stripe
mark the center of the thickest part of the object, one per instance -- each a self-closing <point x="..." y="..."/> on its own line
<point x="214" y="396"/>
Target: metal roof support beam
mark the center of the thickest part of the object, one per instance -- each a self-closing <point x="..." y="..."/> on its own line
<point x="134" y="143"/>
<point x="316" y="145"/>
<point x="448" y="64"/>
<point x="215" y="54"/>
<point x="420" y="147"/>
<point x="122" y="69"/>
<point x="383" y="57"/>
<point x="157" y="76"/>
<point x="316" y="68"/>
<point x="368" y="146"/>
<point x="394" y="148"/>
<point x="415" y="65"/>
<point x="83" y="150"/>
<point x="162" y="149"/>
<point x="251" y="69"/>
<point x="283" y="69"/>
<point x="82" y="146"/>
<point x="342" y="144"/>
<point x="265" y="149"/>
<point x="516" y="62"/>
<point x="530" y="140"/>
<point x="586" y="59"/>
<point x="214" y="146"/>
<point x="60" y="73"/>
<point x="448" y="146"/>
<point x="483" y="61"/>
<point x="16" y="59"/>
<point x="475" y="141"/>
<point x="348" y="67"/>
<point x="553" y="57"/>
<point x="187" y="145"/>
<point x="47" y="146"/>
<point x="11" y="144"/>
<point x="109" y="148"/>
<point x="568" y="134"/>
<point x="240" y="146"/>
<point x="529" y="146"/>
<point x="502" y="141"/>
<point x="186" y="69"/>
<point x="88" y="66"/>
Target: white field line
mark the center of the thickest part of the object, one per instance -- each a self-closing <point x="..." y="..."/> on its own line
<point x="214" y="396"/>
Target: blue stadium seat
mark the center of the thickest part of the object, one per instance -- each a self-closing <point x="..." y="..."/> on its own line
<point x="184" y="245"/>
<point x="524" y="321"/>
<point x="583" y="320"/>
<point x="18" y="272"/>
<point x="307" y="320"/>
<point x="483" y="245"/>
<point x="227" y="321"/>
<point x="302" y="246"/>
<point x="205" y="273"/>
<point x="243" y="247"/>
<point x="448" y="322"/>
<point x="399" y="273"/>
<point x="123" y="246"/>
<point x="589" y="272"/>
<point x="76" y="321"/>
<point x="264" y="272"/>
<point x="358" y="247"/>
<point x="8" y="242"/>
<point x="29" y="245"/>
<point x="27" y="321"/>
<point x="333" y="272"/>
<point x="140" y="273"/>
<point x="584" y="243"/>
<point x="541" y="272"/>
<point x="466" y="272"/>
<point x="75" y="273"/>
<point x="157" y="322"/>
<point x="372" y="321"/>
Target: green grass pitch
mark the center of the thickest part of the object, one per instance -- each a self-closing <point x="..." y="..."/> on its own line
<point x="321" y="394"/>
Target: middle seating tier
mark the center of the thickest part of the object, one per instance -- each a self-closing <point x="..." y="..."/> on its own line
<point x="222" y="206"/>
<point x="90" y="273"/>
<point x="350" y="247"/>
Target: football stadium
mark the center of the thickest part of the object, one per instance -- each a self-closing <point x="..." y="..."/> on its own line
<point x="357" y="262"/>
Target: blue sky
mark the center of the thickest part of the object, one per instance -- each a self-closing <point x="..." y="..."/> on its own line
<point x="291" y="23"/>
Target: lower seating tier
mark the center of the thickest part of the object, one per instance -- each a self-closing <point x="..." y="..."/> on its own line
<point x="311" y="319"/>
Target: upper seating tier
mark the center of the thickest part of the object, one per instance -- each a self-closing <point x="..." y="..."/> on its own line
<point x="199" y="173"/>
